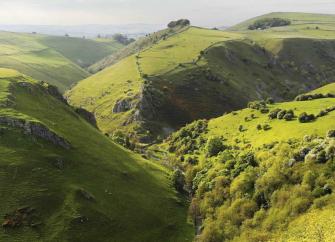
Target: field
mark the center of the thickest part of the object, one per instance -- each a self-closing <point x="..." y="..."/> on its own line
<point x="94" y="191"/>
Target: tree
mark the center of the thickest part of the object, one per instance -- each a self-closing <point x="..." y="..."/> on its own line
<point x="214" y="146"/>
<point x="178" y="180"/>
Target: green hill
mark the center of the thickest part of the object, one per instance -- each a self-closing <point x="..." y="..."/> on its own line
<point x="137" y="46"/>
<point x="62" y="180"/>
<point x="259" y="174"/>
<point x="200" y="73"/>
<point x="298" y="20"/>
<point x="83" y="52"/>
<point x="57" y="60"/>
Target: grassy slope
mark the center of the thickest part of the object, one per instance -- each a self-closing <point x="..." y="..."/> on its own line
<point x="135" y="47"/>
<point x="53" y="59"/>
<point x="83" y="52"/>
<point x="229" y="204"/>
<point x="228" y="125"/>
<point x="325" y="89"/>
<point x="100" y="92"/>
<point x="134" y="200"/>
<point x="201" y="73"/>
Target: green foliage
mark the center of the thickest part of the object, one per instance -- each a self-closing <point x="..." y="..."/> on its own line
<point x="269" y="23"/>
<point x="179" y="23"/>
<point x="214" y="146"/>
<point x="187" y="139"/>
<point x="178" y="180"/>
<point x="305" y="118"/>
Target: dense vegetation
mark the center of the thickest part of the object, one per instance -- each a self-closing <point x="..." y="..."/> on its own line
<point x="259" y="191"/>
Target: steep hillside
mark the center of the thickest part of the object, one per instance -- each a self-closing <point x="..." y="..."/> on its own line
<point x="56" y="60"/>
<point x="137" y="46"/>
<point x="83" y="52"/>
<point x="201" y="73"/>
<point x="62" y="180"/>
<point x="265" y="173"/>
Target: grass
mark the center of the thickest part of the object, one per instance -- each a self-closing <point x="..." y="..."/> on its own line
<point x="83" y="52"/>
<point x="135" y="47"/>
<point x="57" y="60"/>
<point x="133" y="197"/>
<point x="200" y="73"/>
<point x="228" y="125"/>
<point x="100" y="92"/>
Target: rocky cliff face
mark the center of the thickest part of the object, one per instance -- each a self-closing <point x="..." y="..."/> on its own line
<point x="35" y="129"/>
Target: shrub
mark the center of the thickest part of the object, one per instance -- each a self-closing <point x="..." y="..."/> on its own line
<point x="266" y="127"/>
<point x="269" y="23"/>
<point x="305" y="118"/>
<point x="180" y="22"/>
<point x="274" y="113"/>
<point x="257" y="105"/>
<point x="178" y="180"/>
<point x="270" y="100"/>
<point x="214" y="146"/>
<point x="259" y="127"/>
<point x="321" y="157"/>
<point x="264" y="110"/>
<point x="289" y="115"/>
<point x="281" y="114"/>
<point x="331" y="134"/>
<point x="308" y="97"/>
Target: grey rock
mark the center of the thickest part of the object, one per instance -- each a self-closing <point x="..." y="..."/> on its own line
<point x="35" y="129"/>
<point x="123" y="105"/>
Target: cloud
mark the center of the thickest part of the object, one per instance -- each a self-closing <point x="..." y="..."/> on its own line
<point x="201" y="12"/>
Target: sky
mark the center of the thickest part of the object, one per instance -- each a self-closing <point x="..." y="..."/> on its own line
<point x="115" y="12"/>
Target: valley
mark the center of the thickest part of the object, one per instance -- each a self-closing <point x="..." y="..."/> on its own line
<point x="186" y="134"/>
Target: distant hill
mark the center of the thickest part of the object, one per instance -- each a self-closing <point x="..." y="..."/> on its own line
<point x="299" y="20"/>
<point x="62" y="180"/>
<point x="58" y="60"/>
<point x="89" y="31"/>
<point x="201" y="73"/>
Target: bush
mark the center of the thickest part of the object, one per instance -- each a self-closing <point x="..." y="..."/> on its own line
<point x="257" y="105"/>
<point x="178" y="180"/>
<point x="274" y="113"/>
<point x="305" y="118"/>
<point x="321" y="157"/>
<point x="331" y="134"/>
<point x="180" y="22"/>
<point x="308" y="97"/>
<point x="269" y="23"/>
<point x="289" y="115"/>
<point x="214" y="146"/>
<point x="281" y="114"/>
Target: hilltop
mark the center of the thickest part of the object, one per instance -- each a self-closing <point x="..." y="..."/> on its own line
<point x="264" y="173"/>
<point x="62" y="180"/>
<point x="199" y="73"/>
<point x="61" y="61"/>
<point x="298" y="21"/>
